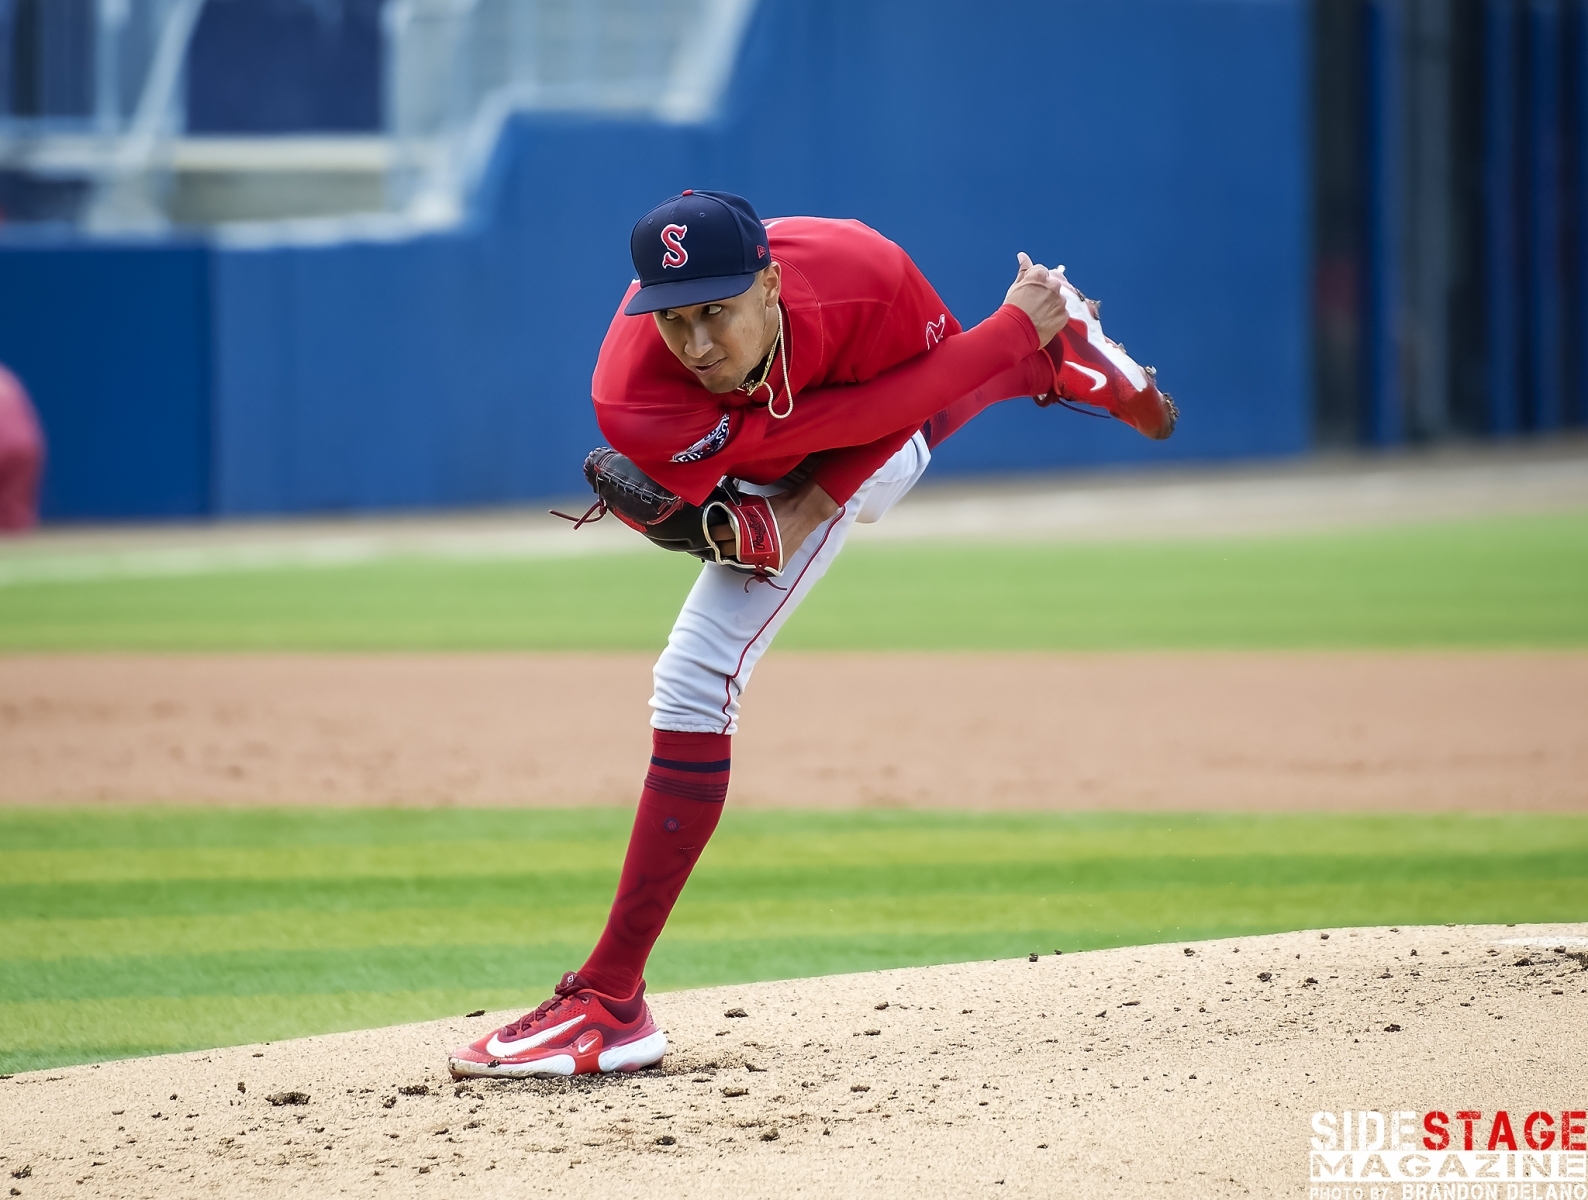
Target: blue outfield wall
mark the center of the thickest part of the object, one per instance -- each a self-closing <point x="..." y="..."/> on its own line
<point x="453" y="368"/>
<point x="112" y="341"/>
<point x="1159" y="148"/>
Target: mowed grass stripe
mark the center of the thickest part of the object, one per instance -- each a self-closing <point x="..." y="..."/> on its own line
<point x="47" y="1033"/>
<point x="131" y="844"/>
<point x="48" y="916"/>
<point x="363" y="928"/>
<point x="1513" y="581"/>
<point x="527" y="967"/>
<point x="449" y="946"/>
<point x="308" y="862"/>
<point x="724" y="900"/>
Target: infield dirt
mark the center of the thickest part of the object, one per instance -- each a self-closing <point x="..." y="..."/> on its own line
<point x="1485" y="731"/>
<point x="1151" y="1071"/>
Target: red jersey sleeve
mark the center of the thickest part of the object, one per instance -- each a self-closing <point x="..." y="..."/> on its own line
<point x="840" y="473"/>
<point x="824" y="418"/>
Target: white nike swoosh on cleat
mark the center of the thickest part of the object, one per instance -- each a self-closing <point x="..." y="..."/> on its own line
<point x="1102" y="380"/>
<point x="508" y="1049"/>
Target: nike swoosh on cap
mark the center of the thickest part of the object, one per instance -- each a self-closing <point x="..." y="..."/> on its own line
<point x="509" y="1049"/>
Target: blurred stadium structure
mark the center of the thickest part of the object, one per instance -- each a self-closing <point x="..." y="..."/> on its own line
<point x="114" y="106"/>
<point x="287" y="255"/>
<point x="1451" y="145"/>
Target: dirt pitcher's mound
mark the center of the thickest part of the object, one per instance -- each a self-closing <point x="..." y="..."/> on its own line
<point x="1155" y="1071"/>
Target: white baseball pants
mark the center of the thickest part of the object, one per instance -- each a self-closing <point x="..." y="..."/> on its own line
<point x="730" y="618"/>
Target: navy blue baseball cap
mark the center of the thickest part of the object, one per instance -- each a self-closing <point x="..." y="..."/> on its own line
<point x="696" y="248"/>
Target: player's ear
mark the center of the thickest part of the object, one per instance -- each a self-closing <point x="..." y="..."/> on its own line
<point x="772" y="282"/>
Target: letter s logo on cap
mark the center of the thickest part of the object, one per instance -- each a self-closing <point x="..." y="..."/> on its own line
<point x="673" y="239"/>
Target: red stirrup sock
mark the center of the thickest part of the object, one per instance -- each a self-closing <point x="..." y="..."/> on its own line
<point x="1032" y="376"/>
<point x="679" y="808"/>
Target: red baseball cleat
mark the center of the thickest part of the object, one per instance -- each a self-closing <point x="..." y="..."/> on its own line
<point x="577" y="1032"/>
<point x="1097" y="371"/>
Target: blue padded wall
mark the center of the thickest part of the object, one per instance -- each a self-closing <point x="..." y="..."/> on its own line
<point x="112" y="342"/>
<point x="1158" y="148"/>
<point x="450" y="369"/>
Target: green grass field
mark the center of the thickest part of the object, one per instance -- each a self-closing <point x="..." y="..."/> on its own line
<point x="125" y="933"/>
<point x="1513" y="581"/>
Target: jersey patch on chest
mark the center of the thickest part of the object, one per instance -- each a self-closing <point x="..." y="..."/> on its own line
<point x="706" y="446"/>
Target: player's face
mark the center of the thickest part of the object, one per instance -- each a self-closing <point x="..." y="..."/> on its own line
<point x="721" y="343"/>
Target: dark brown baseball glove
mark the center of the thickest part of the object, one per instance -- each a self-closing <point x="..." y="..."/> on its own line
<point x="746" y="534"/>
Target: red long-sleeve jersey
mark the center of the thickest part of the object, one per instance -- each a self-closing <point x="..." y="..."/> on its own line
<point x="859" y="319"/>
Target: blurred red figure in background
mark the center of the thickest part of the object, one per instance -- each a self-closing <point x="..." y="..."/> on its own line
<point x="21" y="456"/>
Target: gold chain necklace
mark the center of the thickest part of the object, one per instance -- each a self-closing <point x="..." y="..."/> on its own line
<point x="751" y="389"/>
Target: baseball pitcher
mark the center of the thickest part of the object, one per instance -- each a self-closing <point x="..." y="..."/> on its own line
<point x="765" y="386"/>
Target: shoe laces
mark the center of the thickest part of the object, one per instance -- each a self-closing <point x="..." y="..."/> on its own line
<point x="1052" y="398"/>
<point x="566" y="992"/>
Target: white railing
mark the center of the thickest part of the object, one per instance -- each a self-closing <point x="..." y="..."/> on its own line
<point x="112" y="105"/>
<point x="127" y="194"/>
<point x="104" y="98"/>
<point x="456" y="69"/>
